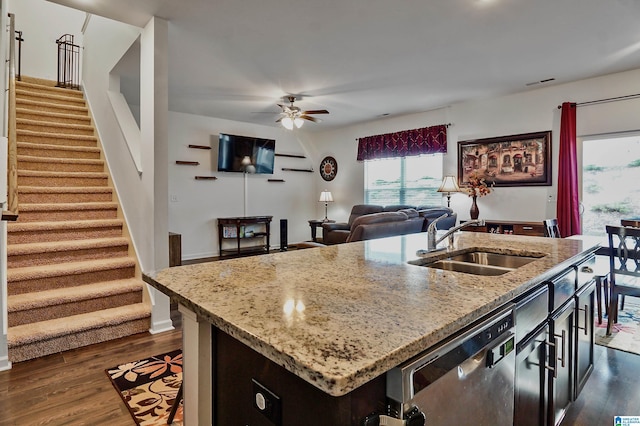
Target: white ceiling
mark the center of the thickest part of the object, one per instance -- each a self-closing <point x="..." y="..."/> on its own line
<point x="360" y="59"/>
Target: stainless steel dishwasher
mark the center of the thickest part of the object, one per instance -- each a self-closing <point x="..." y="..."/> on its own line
<point x="467" y="380"/>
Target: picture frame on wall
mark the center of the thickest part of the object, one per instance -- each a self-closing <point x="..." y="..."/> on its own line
<point x="516" y="160"/>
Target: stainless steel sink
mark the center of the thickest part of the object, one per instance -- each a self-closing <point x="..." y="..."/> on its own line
<point x="479" y="262"/>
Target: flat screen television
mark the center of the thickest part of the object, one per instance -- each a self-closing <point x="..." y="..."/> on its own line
<point x="245" y="154"/>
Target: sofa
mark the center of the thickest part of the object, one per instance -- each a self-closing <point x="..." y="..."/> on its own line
<point x="381" y="225"/>
<point x="385" y="224"/>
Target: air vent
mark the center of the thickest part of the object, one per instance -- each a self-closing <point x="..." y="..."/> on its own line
<point x="546" y="80"/>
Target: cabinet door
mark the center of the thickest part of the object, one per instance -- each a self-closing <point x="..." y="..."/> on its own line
<point x="531" y="380"/>
<point x="561" y="351"/>
<point x="585" y="304"/>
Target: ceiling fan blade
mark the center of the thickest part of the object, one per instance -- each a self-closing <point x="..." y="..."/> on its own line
<point x="279" y="119"/>
<point x="308" y="117"/>
<point x="316" y="111"/>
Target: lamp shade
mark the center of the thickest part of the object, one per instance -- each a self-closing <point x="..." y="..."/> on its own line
<point x="449" y="184"/>
<point x="326" y="197"/>
<point x="287" y="122"/>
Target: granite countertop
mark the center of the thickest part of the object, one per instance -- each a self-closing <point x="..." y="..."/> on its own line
<point x="341" y="315"/>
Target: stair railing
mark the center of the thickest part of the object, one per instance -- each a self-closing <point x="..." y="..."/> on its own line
<point x="12" y="151"/>
<point x="68" y="62"/>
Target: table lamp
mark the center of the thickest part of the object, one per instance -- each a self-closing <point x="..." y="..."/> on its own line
<point x="326" y="198"/>
<point x="449" y="185"/>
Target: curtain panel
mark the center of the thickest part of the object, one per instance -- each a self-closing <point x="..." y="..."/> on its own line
<point x="568" y="208"/>
<point x="427" y="140"/>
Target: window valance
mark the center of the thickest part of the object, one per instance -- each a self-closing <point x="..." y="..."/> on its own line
<point x="427" y="140"/>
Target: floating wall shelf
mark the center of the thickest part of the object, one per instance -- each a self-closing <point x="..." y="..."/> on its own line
<point x="206" y="178"/>
<point x="290" y="155"/>
<point x="275" y="180"/>
<point x="286" y="169"/>
<point x="187" y="163"/>
<point x="199" y="146"/>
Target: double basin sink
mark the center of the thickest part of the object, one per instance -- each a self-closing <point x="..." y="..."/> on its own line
<point x="479" y="262"/>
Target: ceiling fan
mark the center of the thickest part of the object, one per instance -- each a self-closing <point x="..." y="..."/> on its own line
<point x="292" y="115"/>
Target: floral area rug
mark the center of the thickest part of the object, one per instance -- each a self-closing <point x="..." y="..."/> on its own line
<point x="625" y="334"/>
<point x="149" y="387"/>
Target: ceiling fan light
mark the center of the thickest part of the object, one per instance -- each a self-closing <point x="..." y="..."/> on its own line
<point x="287" y="122"/>
<point x="298" y="122"/>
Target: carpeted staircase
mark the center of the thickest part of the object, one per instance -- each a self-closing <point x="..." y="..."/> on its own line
<point x="72" y="278"/>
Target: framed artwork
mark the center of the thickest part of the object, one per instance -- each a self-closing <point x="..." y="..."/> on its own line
<point x="517" y="160"/>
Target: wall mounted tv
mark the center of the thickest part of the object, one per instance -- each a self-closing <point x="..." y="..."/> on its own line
<point x="245" y="154"/>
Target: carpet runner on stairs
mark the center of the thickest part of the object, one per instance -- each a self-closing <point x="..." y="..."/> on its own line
<point x="71" y="278"/>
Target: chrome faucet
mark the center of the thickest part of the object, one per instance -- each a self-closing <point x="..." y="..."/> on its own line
<point x="432" y="242"/>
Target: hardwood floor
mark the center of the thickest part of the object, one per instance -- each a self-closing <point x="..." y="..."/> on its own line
<point x="612" y="390"/>
<point x="71" y="388"/>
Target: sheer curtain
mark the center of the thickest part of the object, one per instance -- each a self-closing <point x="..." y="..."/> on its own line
<point x="568" y="210"/>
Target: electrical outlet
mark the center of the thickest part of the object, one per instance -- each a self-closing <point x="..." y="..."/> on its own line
<point x="173" y="198"/>
<point x="267" y="402"/>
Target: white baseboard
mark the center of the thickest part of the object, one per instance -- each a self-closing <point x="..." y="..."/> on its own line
<point x="161" y="327"/>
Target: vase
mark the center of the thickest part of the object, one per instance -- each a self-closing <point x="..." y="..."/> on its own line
<point x="474" y="212"/>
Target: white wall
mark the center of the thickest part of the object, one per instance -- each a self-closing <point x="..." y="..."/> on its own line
<point x="197" y="203"/>
<point x="42" y="23"/>
<point x="530" y="111"/>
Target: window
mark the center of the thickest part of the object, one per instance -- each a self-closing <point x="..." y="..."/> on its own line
<point x="406" y="180"/>
<point x="610" y="176"/>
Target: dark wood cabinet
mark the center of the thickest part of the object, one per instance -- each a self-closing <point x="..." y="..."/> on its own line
<point x="534" y="229"/>
<point x="243" y="236"/>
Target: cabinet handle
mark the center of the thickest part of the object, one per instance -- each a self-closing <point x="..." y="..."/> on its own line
<point x="554" y="345"/>
<point x="586" y="320"/>
<point x="564" y="347"/>
<point x="527" y="228"/>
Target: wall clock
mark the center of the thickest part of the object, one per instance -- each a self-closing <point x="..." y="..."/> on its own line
<point x="328" y="168"/>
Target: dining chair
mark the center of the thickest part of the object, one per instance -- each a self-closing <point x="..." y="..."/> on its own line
<point x="624" y="266"/>
<point x="551" y="228"/>
<point x="601" y="270"/>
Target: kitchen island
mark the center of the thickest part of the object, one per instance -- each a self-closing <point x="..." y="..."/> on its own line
<point x="340" y="317"/>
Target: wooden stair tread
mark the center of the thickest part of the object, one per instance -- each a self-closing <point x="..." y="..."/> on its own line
<point x="27" y="333"/>
<point x="19" y="302"/>
<point x="51" y="114"/>
<point x="30" y="122"/>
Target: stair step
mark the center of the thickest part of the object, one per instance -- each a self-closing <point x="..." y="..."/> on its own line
<point x="54" y="212"/>
<point x="44" y="194"/>
<point x="36" y="178"/>
<point x="31" y="232"/>
<point x="53" y="90"/>
<point x="70" y="274"/>
<point x="54" y="127"/>
<point x="59" y="117"/>
<point x="57" y="151"/>
<point x="43" y="338"/>
<point x="51" y="304"/>
<point x="54" y="99"/>
<point x="48" y="164"/>
<point x="56" y="138"/>
<point x="33" y="105"/>
<point x="48" y="253"/>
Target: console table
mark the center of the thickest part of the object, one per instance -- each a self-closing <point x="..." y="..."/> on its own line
<point x="243" y="236"/>
<point x="534" y="229"/>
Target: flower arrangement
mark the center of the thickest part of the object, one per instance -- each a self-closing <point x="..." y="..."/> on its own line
<point x="477" y="187"/>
